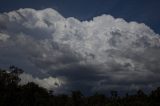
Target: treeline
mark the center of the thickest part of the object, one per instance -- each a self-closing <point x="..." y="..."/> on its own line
<point x="13" y="94"/>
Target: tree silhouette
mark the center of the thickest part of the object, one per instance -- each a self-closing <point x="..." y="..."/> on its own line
<point x="30" y="94"/>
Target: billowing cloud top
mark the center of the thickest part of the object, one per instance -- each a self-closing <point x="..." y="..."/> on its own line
<point x="97" y="55"/>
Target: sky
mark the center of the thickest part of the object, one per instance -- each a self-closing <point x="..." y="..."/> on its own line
<point x="89" y="45"/>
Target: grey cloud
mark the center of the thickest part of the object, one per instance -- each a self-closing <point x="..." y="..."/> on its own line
<point x="99" y="54"/>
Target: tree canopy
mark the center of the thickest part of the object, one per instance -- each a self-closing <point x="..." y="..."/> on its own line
<point x="30" y="94"/>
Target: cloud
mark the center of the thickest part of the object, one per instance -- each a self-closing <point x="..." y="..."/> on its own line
<point x="100" y="54"/>
<point x="49" y="83"/>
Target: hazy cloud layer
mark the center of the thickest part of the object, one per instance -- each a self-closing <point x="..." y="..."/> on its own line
<point x="101" y="54"/>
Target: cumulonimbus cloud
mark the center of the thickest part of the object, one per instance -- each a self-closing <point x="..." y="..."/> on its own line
<point x="97" y="55"/>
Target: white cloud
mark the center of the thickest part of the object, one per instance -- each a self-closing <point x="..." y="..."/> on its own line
<point x="48" y="83"/>
<point x="103" y="49"/>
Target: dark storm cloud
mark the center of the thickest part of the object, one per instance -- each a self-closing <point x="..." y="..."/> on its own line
<point x="65" y="53"/>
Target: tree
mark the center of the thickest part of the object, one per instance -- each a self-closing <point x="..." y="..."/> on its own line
<point x="77" y="98"/>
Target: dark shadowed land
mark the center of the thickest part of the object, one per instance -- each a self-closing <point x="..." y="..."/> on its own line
<point x="30" y="94"/>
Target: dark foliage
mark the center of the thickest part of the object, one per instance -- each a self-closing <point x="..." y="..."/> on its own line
<point x="13" y="94"/>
